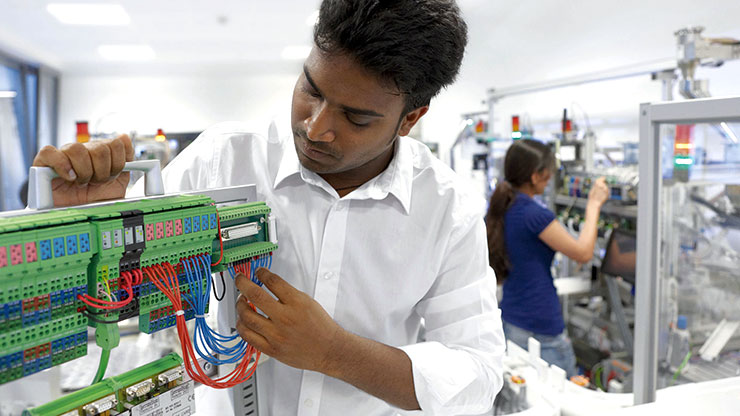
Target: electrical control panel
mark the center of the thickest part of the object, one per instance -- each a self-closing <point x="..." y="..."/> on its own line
<point x="66" y="269"/>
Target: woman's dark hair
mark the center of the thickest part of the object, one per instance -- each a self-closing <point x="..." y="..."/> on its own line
<point x="416" y="45"/>
<point x="524" y="158"/>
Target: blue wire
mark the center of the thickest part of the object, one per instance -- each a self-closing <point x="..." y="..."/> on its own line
<point x="205" y="338"/>
<point x="188" y="297"/>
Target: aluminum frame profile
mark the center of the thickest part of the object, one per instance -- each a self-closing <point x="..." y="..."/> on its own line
<point x="652" y="116"/>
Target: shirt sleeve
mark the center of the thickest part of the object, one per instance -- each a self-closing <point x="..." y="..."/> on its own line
<point x="537" y="218"/>
<point x="459" y="368"/>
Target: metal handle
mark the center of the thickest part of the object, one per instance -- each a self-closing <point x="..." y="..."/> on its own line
<point x="39" y="182"/>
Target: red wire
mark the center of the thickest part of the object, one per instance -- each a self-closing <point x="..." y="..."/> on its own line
<point x="165" y="278"/>
<point x="108" y="305"/>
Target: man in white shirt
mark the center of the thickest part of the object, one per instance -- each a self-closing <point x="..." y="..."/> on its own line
<point x="375" y="234"/>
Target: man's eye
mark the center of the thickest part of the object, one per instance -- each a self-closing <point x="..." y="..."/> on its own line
<point x="311" y="92"/>
<point x="356" y="120"/>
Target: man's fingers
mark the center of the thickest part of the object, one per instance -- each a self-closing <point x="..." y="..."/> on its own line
<point x="252" y="338"/>
<point x="128" y="146"/>
<point x="50" y="156"/>
<point x="100" y="155"/>
<point x="117" y="157"/>
<point x="282" y="289"/>
<point x="79" y="157"/>
<point x="258" y="296"/>
<point x="251" y="319"/>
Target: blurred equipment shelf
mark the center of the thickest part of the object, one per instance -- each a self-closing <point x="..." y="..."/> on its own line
<point x="610" y="207"/>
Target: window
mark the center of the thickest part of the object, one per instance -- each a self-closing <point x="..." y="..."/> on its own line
<point x="28" y="112"/>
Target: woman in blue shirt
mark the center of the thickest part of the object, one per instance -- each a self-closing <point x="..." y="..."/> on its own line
<point x="523" y="237"/>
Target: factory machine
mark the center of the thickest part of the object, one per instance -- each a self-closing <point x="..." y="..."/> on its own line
<point x="63" y="271"/>
<point x="692" y="285"/>
<point x="600" y="312"/>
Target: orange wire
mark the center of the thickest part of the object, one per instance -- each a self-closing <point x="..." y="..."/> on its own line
<point x="104" y="304"/>
<point x="164" y="277"/>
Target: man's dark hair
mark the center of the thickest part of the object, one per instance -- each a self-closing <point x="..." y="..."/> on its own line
<point x="417" y="45"/>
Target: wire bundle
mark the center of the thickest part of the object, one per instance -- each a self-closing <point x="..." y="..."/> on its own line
<point x="249" y="267"/>
<point x="207" y="342"/>
<point x="130" y="279"/>
<point x="198" y="269"/>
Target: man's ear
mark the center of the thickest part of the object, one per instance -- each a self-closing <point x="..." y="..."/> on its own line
<point x="410" y="119"/>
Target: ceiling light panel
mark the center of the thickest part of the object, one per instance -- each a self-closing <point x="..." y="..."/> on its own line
<point x="126" y="52"/>
<point x="89" y="14"/>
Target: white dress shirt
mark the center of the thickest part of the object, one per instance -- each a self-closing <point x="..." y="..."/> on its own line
<point x="406" y="246"/>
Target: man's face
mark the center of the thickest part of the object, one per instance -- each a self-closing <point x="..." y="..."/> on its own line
<point x="345" y="120"/>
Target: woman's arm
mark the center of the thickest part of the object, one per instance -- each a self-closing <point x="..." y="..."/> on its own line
<point x="582" y="249"/>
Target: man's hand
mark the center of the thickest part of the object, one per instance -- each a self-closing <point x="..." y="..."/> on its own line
<point x="297" y="330"/>
<point x="88" y="172"/>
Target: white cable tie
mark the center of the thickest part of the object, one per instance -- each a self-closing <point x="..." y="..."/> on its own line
<point x="180" y="312"/>
<point x="200" y="316"/>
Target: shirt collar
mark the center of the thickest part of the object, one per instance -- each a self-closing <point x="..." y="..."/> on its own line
<point x="396" y="179"/>
<point x="289" y="165"/>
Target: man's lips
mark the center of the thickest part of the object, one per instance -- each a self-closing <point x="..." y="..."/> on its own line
<point x="314" y="153"/>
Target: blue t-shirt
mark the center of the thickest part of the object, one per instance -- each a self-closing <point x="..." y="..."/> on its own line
<point x="530" y="300"/>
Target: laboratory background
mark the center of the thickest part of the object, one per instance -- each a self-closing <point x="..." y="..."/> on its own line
<point x="643" y="93"/>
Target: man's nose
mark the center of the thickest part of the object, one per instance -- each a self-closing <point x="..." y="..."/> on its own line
<point x="319" y="127"/>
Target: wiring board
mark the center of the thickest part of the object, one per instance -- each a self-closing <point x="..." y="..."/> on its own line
<point x="155" y="388"/>
<point x="66" y="269"/>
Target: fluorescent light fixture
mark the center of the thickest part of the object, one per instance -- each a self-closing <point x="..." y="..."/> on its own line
<point x="731" y="134"/>
<point x="89" y="14"/>
<point x="312" y="18"/>
<point x="8" y="94"/>
<point x="126" y="52"/>
<point x="295" y="52"/>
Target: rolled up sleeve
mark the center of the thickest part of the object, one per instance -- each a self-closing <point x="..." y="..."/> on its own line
<point x="458" y="369"/>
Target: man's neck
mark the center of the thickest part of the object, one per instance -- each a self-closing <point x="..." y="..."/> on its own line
<point x="347" y="181"/>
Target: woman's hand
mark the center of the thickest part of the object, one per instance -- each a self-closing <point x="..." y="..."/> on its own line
<point x="599" y="192"/>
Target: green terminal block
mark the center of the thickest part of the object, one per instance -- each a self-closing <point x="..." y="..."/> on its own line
<point x="118" y="394"/>
<point x="50" y="260"/>
<point x="251" y="223"/>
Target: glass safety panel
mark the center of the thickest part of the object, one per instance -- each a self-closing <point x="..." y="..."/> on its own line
<point x="699" y="314"/>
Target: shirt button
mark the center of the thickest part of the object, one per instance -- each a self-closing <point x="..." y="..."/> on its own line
<point x="328" y="276"/>
<point x="308" y="402"/>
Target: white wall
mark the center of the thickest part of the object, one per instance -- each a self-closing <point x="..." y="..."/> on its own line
<point x="180" y="103"/>
<point x="510" y="43"/>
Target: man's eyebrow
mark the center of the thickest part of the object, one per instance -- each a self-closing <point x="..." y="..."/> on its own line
<point x="353" y="110"/>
